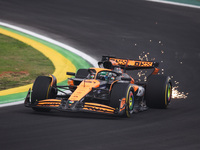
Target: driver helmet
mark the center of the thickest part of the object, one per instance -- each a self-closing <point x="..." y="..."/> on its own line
<point x="103" y="75"/>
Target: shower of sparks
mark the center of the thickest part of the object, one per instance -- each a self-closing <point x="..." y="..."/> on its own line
<point x="162" y="71"/>
<point x="176" y="94"/>
<point x="144" y="56"/>
<point x="142" y="74"/>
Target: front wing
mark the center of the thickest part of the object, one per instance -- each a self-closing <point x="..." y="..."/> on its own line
<point x="66" y="105"/>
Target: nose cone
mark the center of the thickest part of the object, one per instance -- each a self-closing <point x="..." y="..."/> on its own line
<point x="83" y="89"/>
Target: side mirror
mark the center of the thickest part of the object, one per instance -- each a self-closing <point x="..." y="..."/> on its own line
<point x="125" y="79"/>
<point x="71" y="73"/>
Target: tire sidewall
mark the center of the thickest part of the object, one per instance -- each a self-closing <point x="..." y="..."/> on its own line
<point x="156" y="94"/>
<point x="42" y="89"/>
<point x="130" y="100"/>
<point x="121" y="91"/>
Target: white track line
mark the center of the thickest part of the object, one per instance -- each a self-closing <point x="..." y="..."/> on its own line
<point x="175" y="3"/>
<point x="73" y="50"/>
<point x="91" y="60"/>
<point x="13" y="103"/>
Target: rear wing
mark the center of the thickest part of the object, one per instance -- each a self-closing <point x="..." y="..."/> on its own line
<point x="127" y="64"/>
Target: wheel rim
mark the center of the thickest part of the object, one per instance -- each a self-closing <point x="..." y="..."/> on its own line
<point x="169" y="92"/>
<point x="131" y="100"/>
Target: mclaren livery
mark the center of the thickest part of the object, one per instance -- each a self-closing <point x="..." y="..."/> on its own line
<point x="107" y="89"/>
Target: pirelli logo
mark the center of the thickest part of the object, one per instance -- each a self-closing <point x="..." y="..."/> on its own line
<point x="140" y="63"/>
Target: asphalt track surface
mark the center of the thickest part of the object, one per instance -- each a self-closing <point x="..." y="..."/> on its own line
<point x="100" y="27"/>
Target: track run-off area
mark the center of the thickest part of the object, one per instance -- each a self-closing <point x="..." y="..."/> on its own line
<point x="62" y="58"/>
<point x="184" y="3"/>
<point x="168" y="33"/>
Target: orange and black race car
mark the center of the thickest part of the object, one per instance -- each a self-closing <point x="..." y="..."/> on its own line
<point x="107" y="89"/>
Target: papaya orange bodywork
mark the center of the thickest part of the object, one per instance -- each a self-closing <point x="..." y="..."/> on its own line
<point x="112" y="85"/>
<point x="132" y="80"/>
<point x="135" y="88"/>
<point x="50" y="100"/>
<point x="49" y="103"/>
<point x="123" y="102"/>
<point x="98" y="108"/>
<point x="84" y="88"/>
<point x="70" y="82"/>
<point x="100" y="69"/>
<point x="155" y="72"/>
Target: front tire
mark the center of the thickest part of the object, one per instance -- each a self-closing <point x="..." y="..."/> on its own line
<point x="125" y="93"/>
<point x="42" y="90"/>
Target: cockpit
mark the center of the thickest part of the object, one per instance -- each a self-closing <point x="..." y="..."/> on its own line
<point x="102" y="75"/>
<point x="106" y="76"/>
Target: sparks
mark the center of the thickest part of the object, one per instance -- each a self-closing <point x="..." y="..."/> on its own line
<point x="178" y="95"/>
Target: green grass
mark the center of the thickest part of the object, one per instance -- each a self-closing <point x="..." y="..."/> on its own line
<point x="20" y="64"/>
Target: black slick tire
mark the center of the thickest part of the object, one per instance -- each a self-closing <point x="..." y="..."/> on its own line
<point x="158" y="91"/>
<point x="42" y="90"/>
<point x="122" y="91"/>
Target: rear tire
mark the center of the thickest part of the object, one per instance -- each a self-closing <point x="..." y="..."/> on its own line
<point x="158" y="91"/>
<point x="42" y="90"/>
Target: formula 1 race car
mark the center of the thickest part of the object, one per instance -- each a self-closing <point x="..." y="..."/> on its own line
<point x="107" y="89"/>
